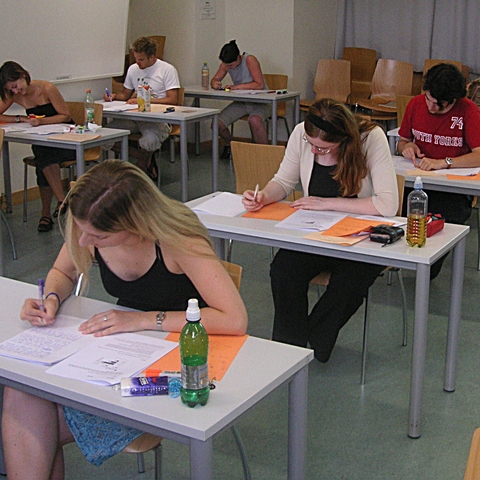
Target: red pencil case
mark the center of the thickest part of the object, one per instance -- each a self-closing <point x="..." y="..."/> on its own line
<point x="435" y="223"/>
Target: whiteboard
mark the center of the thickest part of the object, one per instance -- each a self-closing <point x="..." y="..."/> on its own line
<point x="65" y="40"/>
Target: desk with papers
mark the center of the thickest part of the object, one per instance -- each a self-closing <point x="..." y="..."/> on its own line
<point x="182" y="116"/>
<point x="161" y="415"/>
<point x="452" y="238"/>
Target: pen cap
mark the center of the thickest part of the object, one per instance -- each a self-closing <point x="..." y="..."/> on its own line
<point x="193" y="312"/>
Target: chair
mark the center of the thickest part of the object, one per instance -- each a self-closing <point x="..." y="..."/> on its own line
<point x="254" y="163"/>
<point x="148" y="441"/>
<point x="332" y="80"/>
<point x="431" y="62"/>
<point x="7" y="226"/>
<point x="92" y="155"/>
<point x="362" y="67"/>
<point x="391" y="78"/>
<point x="278" y="82"/>
<point x="402" y="102"/>
<point x="472" y="471"/>
<point x="323" y="279"/>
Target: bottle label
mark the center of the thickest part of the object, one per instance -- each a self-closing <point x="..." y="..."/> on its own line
<point x="194" y="377"/>
<point x="90" y="115"/>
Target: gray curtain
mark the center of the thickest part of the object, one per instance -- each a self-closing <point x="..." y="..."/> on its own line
<point x="412" y="31"/>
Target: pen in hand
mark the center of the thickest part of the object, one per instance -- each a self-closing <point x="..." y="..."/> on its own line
<point x="255" y="193"/>
<point x="108" y="95"/>
<point x="41" y="294"/>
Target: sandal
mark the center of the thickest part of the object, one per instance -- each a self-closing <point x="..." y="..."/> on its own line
<point x="60" y="210"/>
<point x="45" y="224"/>
<point x="152" y="169"/>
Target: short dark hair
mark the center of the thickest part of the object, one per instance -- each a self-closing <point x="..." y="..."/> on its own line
<point x="445" y="82"/>
<point x="9" y="72"/>
<point x="229" y="52"/>
<point x="145" y="45"/>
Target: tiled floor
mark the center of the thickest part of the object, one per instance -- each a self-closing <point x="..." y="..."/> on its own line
<point x="355" y="432"/>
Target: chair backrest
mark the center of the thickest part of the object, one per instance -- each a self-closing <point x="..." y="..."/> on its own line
<point x="235" y="272"/>
<point x="391" y="78"/>
<point x="77" y="113"/>
<point x="255" y="163"/>
<point x="362" y="63"/>
<point x="401" y="188"/>
<point x="160" y="39"/>
<point x="473" y="91"/>
<point x="402" y="102"/>
<point x="276" y="81"/>
<point x="2" y="134"/>
<point x="472" y="471"/>
<point x="332" y="79"/>
<point x="431" y="62"/>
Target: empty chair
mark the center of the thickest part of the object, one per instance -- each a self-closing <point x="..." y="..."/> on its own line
<point x="391" y="78"/>
<point x="278" y="82"/>
<point x="402" y="102"/>
<point x="362" y="67"/>
<point x="332" y="80"/>
<point x="472" y="471"/>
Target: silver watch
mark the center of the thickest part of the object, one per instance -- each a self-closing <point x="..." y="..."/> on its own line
<point x="449" y="162"/>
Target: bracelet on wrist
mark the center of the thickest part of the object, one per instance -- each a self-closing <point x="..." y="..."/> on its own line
<point x="56" y="296"/>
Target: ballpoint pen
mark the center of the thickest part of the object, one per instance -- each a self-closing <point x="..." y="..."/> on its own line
<point x="41" y="294"/>
<point x="255" y="193"/>
<point x="108" y="94"/>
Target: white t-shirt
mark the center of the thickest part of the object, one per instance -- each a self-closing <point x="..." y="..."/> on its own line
<point x="160" y="77"/>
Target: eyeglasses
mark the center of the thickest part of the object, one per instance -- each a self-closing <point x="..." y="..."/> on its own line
<point x="320" y="150"/>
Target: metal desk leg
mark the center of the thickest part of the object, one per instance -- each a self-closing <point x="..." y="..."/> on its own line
<point x="274" y="122"/>
<point x="219" y="246"/>
<point x="124" y="148"/>
<point x="7" y="181"/>
<point x="184" y="162"/>
<point x="456" y="289"/>
<point x="296" y="111"/>
<point x="422" y="291"/>
<point x="297" y="424"/>
<point x="80" y="160"/>
<point x="214" y="153"/>
<point x="201" y="467"/>
<point x="196" y="103"/>
<point x="2" y="262"/>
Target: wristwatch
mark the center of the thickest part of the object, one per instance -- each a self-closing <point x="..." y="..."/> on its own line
<point x="160" y="318"/>
<point x="17" y="118"/>
<point x="449" y="162"/>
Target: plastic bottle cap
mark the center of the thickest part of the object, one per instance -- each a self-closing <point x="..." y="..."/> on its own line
<point x="89" y="90"/>
<point x="418" y="183"/>
<point x="193" y="312"/>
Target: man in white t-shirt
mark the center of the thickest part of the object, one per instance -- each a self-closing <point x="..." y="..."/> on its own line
<point x="163" y="80"/>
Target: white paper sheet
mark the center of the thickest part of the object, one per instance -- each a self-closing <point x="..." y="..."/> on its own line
<point x="107" y="360"/>
<point x="117" y="106"/>
<point x="311" y="220"/>
<point x="47" y="345"/>
<point x="225" y="204"/>
<point x="403" y="163"/>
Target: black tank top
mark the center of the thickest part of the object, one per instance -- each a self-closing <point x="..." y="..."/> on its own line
<point x="158" y="289"/>
<point x="322" y="183"/>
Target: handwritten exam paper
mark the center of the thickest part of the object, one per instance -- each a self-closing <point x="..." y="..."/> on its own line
<point x="451" y="173"/>
<point x="108" y="359"/>
<point x="225" y="204"/>
<point x="310" y="220"/>
<point x="47" y="345"/>
<point x="117" y="106"/>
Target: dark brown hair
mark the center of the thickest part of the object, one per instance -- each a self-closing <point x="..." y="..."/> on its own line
<point x="9" y="72"/>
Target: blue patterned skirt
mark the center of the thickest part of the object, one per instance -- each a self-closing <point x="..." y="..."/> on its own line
<point x="98" y="438"/>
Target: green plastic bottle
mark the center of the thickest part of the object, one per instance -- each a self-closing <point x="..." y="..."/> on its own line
<point x="194" y="357"/>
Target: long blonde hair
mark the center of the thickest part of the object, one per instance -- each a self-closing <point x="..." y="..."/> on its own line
<point x="331" y="121"/>
<point x="117" y="196"/>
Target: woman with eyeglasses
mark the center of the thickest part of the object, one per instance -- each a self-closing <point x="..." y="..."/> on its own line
<point x="344" y="164"/>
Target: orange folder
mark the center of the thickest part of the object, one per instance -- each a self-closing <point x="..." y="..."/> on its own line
<point x="221" y="353"/>
<point x="273" y="211"/>
<point x="352" y="226"/>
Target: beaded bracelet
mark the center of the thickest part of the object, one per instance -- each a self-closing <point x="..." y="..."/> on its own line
<point x="58" y="298"/>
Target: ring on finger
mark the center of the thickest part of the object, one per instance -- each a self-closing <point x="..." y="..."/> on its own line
<point x="105" y="318"/>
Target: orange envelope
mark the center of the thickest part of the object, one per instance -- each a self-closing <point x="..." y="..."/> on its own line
<point x="351" y="226"/>
<point x="273" y="211"/>
<point x="221" y="353"/>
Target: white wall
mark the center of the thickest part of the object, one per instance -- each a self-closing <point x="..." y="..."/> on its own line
<point x="287" y="36"/>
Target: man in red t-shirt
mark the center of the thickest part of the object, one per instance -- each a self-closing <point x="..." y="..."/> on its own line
<point x="441" y="129"/>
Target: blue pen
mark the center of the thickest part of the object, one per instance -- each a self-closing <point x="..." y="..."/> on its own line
<point x="108" y="94"/>
<point x="41" y="294"/>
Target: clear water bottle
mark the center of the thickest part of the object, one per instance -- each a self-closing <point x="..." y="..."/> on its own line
<point x="417" y="211"/>
<point x="205" y="76"/>
<point x="89" y="108"/>
<point x="194" y="357"/>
